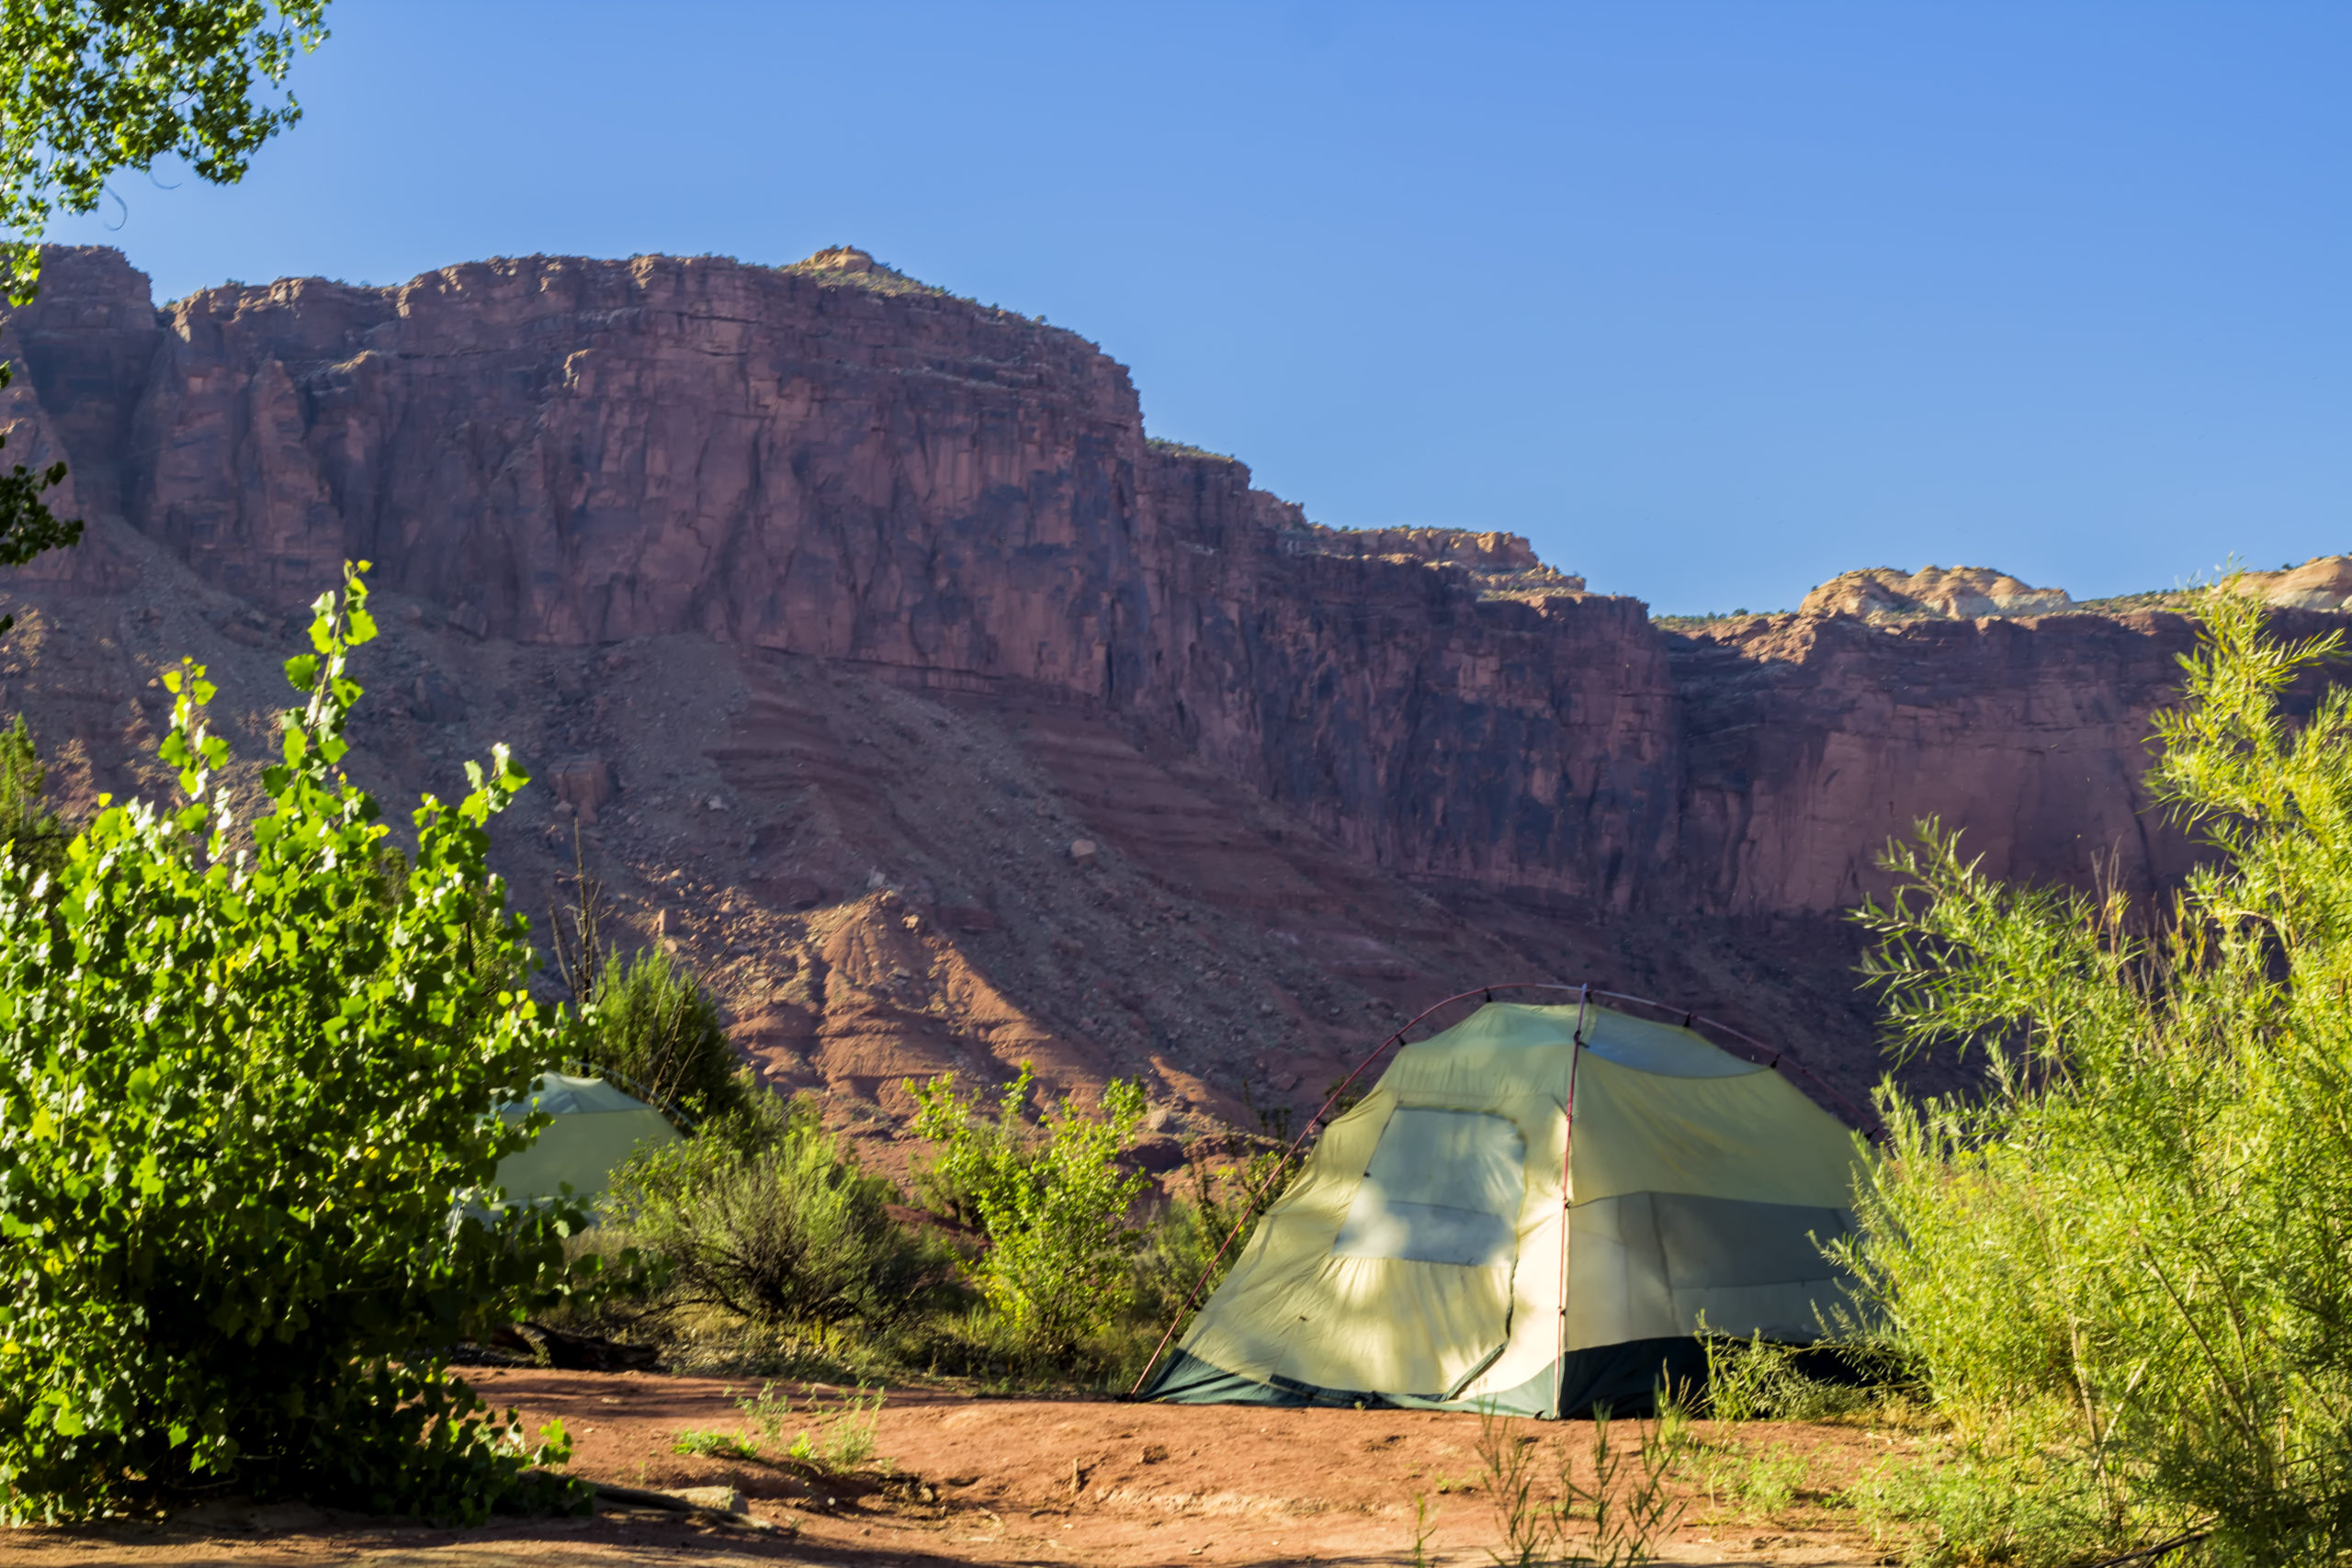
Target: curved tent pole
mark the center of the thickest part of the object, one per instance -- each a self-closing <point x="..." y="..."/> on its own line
<point x="1585" y="994"/>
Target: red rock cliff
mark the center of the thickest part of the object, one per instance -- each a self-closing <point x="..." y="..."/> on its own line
<point x="840" y="464"/>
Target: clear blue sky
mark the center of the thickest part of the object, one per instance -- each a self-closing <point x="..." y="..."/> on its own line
<point x="1711" y="301"/>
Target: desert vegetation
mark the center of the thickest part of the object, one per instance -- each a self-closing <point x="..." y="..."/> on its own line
<point x="2103" y="1292"/>
<point x="245" y="1053"/>
<point x="659" y="1033"/>
<point x="247" y="1046"/>
<point x="1029" y="1252"/>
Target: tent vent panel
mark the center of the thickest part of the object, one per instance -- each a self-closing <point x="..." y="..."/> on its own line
<point x="1660" y="1049"/>
<point x="1444" y="1187"/>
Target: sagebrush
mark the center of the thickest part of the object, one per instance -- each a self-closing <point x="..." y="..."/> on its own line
<point x="770" y="1217"/>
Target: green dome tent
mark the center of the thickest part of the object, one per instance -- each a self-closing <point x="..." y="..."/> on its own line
<point x="596" y="1128"/>
<point x="1416" y="1259"/>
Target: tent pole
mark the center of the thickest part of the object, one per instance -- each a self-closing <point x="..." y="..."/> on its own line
<point x="1568" y="1144"/>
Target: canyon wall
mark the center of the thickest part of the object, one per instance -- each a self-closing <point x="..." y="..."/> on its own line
<point x="840" y="463"/>
<point x="1813" y="742"/>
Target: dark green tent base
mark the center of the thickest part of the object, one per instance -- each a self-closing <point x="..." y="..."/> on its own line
<point x="1623" y="1377"/>
<point x="1626" y="1378"/>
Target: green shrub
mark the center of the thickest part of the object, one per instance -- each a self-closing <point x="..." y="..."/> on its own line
<point x="653" y="1026"/>
<point x="1954" y="1508"/>
<point x="843" y="1440"/>
<point x="2124" y="1268"/>
<point x="771" y="1219"/>
<point x="1768" y="1482"/>
<point x="1756" y="1379"/>
<point x="843" y="1445"/>
<point x="1059" y="1263"/>
<point x="241" y="1095"/>
<point x="989" y="1152"/>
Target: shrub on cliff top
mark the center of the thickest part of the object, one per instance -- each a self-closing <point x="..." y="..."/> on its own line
<point x="244" y="1081"/>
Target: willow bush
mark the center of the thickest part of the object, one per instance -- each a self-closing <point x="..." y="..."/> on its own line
<point x="2123" y="1269"/>
<point x="656" y="1027"/>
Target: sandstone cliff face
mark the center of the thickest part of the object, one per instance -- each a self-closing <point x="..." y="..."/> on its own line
<point x="1815" y="741"/>
<point x="834" y="468"/>
<point x="2323" y="583"/>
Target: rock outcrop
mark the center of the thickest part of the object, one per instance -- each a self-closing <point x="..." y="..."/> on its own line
<point x="1961" y="592"/>
<point x="2323" y="583"/>
<point x="568" y="452"/>
<point x="817" y="587"/>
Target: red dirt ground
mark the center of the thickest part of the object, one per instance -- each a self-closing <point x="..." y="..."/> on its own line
<point x="1027" y="1481"/>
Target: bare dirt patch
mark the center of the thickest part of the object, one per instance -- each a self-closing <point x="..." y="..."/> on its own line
<point x="995" y="1481"/>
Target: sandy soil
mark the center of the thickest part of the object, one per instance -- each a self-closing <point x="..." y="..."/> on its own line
<point x="996" y="1480"/>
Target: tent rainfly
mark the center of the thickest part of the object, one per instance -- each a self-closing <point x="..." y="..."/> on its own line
<point x="596" y="1128"/>
<point x="1417" y="1261"/>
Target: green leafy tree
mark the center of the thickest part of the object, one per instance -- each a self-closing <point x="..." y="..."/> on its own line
<point x="90" y="87"/>
<point x="2123" y="1268"/>
<point x="1060" y="1264"/>
<point x="242" y="1098"/>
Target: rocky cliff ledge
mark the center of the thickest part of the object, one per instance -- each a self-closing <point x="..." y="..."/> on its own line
<point x="830" y="473"/>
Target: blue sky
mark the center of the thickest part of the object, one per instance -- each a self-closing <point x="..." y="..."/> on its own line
<point x="1711" y="302"/>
